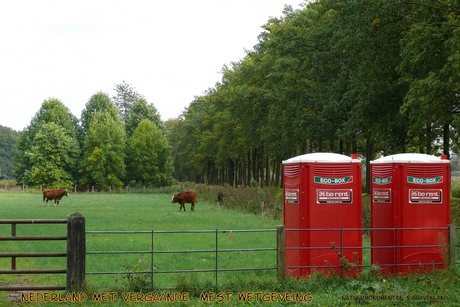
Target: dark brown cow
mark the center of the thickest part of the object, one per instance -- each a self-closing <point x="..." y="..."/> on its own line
<point x="220" y="198"/>
<point x="56" y="194"/>
<point x="185" y="197"/>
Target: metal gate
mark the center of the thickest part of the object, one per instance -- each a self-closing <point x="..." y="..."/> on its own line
<point x="75" y="253"/>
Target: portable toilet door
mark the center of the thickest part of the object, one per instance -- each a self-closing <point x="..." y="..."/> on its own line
<point x="292" y="180"/>
<point x="322" y="214"/>
<point x="383" y="216"/>
<point x="410" y="212"/>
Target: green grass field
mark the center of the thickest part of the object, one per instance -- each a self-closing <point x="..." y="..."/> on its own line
<point x="147" y="212"/>
<point x="144" y="213"/>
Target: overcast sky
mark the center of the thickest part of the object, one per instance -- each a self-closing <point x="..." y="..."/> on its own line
<point x="169" y="51"/>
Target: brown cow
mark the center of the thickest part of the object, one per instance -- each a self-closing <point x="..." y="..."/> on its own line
<point x="55" y="194"/>
<point x="185" y="197"/>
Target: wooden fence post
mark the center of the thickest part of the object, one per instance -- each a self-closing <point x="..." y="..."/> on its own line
<point x="452" y="242"/>
<point x="76" y="251"/>
<point x="281" y="252"/>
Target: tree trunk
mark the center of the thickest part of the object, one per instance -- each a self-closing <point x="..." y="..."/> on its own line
<point x="369" y="157"/>
<point x="428" y="139"/>
<point x="267" y="170"/>
<point x="249" y="173"/>
<point x="278" y="172"/>
<point x="261" y="167"/>
<point x="307" y="147"/>
<point x="255" y="170"/>
<point x="446" y="140"/>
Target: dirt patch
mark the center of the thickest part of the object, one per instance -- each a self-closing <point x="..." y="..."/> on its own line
<point x="15" y="296"/>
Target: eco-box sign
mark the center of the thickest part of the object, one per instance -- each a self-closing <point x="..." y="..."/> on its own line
<point x="417" y="180"/>
<point x="333" y="181"/>
<point x="377" y="180"/>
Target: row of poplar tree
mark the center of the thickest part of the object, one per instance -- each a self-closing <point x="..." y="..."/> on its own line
<point x="118" y="140"/>
<point x="348" y="76"/>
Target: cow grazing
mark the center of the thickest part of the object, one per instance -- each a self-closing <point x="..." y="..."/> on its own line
<point x="185" y="197"/>
<point x="220" y="198"/>
<point x="54" y="194"/>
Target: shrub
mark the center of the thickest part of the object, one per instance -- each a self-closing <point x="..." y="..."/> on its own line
<point x="138" y="278"/>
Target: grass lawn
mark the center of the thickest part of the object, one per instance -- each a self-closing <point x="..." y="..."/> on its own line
<point x="142" y="212"/>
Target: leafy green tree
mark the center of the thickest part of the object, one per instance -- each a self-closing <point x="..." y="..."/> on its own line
<point x="190" y="129"/>
<point x="141" y="110"/>
<point x="430" y="67"/>
<point x="175" y="136"/>
<point x="104" y="151"/>
<point x="51" y="111"/>
<point x="149" y="156"/>
<point x="8" y="143"/>
<point x="125" y="98"/>
<point x="53" y="155"/>
<point x="98" y="102"/>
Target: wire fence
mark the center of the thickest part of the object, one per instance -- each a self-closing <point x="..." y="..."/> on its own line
<point x="210" y="257"/>
<point x="388" y="258"/>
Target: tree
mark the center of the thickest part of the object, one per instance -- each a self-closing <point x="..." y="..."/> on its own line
<point x="53" y="156"/>
<point x="430" y="67"/>
<point x="103" y="151"/>
<point x="187" y="139"/>
<point x="8" y="143"/>
<point x="98" y="102"/>
<point x="51" y="111"/>
<point x="150" y="160"/>
<point x="141" y="110"/>
<point x="125" y="98"/>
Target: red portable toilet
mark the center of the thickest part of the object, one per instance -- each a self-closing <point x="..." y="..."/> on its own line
<point x="322" y="214"/>
<point x="410" y="212"/>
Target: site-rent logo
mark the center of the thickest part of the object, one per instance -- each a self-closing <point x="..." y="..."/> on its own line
<point x="325" y="180"/>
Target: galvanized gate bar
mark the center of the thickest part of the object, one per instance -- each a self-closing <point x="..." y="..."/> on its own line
<point x="94" y="232"/>
<point x="217" y="255"/>
<point x="372" y="229"/>
<point x="178" y="251"/>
